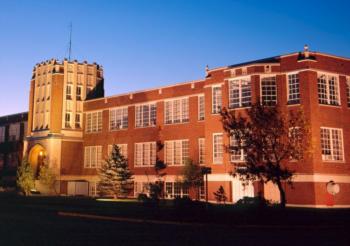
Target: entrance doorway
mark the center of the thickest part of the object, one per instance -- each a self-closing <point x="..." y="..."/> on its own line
<point x="37" y="157"/>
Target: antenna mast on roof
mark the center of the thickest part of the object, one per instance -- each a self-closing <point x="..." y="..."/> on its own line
<point x="70" y="41"/>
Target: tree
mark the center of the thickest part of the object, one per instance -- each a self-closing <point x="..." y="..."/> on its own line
<point x="47" y="177"/>
<point x="116" y="179"/>
<point x="267" y="139"/>
<point x="220" y="195"/>
<point x="25" y="177"/>
<point x="192" y="175"/>
<point x="156" y="188"/>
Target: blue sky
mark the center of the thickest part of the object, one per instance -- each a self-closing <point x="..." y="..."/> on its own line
<point x="144" y="44"/>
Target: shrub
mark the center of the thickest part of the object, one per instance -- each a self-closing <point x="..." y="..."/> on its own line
<point x="257" y="201"/>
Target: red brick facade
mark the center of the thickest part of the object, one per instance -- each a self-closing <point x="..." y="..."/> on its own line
<point x="312" y="175"/>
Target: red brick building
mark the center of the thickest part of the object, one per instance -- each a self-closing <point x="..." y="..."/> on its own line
<point x="185" y="117"/>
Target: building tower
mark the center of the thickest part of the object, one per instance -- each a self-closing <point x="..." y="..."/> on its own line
<point x="55" y="119"/>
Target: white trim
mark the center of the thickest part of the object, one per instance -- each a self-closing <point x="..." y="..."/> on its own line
<point x="321" y="178"/>
<point x="150" y="154"/>
<point x="213" y="147"/>
<point x="214" y="85"/>
<point x="260" y="86"/>
<point x="151" y="124"/>
<point x="173" y="143"/>
<point x="198" y="107"/>
<point x="115" y="109"/>
<point x="331" y="144"/>
<point x="328" y="74"/>
<point x="287" y="85"/>
<point x="148" y="90"/>
<point x="175" y="98"/>
<point x="212" y="99"/>
<point x="199" y="150"/>
<point x="316" y="206"/>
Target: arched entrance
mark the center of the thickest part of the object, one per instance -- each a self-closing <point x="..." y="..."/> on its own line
<point x="37" y="155"/>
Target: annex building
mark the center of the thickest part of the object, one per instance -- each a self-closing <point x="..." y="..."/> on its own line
<point x="72" y="126"/>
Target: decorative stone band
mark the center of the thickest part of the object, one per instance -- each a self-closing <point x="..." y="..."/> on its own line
<point x="321" y="178"/>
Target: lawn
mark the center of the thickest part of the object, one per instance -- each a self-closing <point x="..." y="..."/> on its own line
<point x="35" y="221"/>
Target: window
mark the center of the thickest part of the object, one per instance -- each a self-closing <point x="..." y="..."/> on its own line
<point x="216" y="99"/>
<point x="146" y="115"/>
<point x="176" y="111"/>
<point x="14" y="132"/>
<point x="123" y="150"/>
<point x="145" y="154"/>
<point x="348" y="90"/>
<point x="67" y="119"/>
<point x="141" y="188"/>
<point x="176" y="152"/>
<point x="202" y="191"/>
<point x="2" y="134"/>
<point x="269" y="91"/>
<point x="218" y="148"/>
<point x="78" y="120"/>
<point x="118" y="118"/>
<point x="201" y="151"/>
<point x="201" y="108"/>
<point x="328" y="90"/>
<point x="70" y="78"/>
<point x="293" y="89"/>
<point x="332" y="144"/>
<point x="92" y="156"/>
<point x="79" y="88"/>
<point x="240" y="93"/>
<point x="175" y="189"/>
<point x="94" y="122"/>
<point x="236" y="155"/>
<point x="93" y="189"/>
<point x="69" y="92"/>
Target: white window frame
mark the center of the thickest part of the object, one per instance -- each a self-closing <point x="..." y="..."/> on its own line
<point x="79" y="93"/>
<point x="327" y="92"/>
<point x="183" y="190"/>
<point x="216" y="158"/>
<point x="331" y="156"/>
<point x="92" y="156"/>
<point x="236" y="157"/>
<point x="348" y="90"/>
<point x="14" y="131"/>
<point x="68" y="123"/>
<point x="151" y="157"/>
<point x="201" y="108"/>
<point x="201" y="151"/>
<point x="93" y="125"/>
<point x="183" y="110"/>
<point x="78" y="123"/>
<point x="175" y="146"/>
<point x="140" y="122"/>
<point x="123" y="150"/>
<point x="293" y="77"/>
<point x="261" y="89"/>
<point x="240" y="81"/>
<point x="69" y="92"/>
<point x="118" y="115"/>
<point x="216" y="102"/>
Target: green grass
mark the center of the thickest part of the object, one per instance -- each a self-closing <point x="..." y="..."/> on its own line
<point x="34" y="221"/>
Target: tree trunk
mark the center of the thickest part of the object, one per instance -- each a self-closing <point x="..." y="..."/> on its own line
<point x="282" y="194"/>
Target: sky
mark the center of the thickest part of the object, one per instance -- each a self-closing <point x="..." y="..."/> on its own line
<point x="149" y="43"/>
